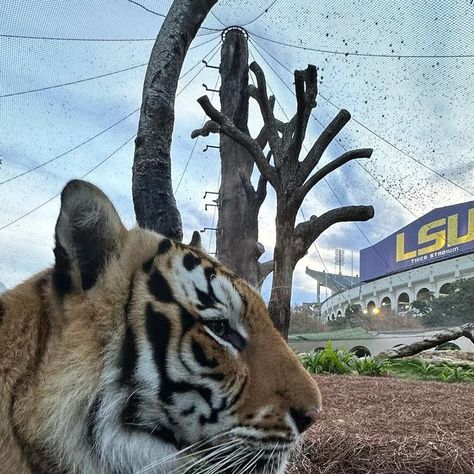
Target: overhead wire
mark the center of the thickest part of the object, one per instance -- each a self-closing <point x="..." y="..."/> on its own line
<point x="62" y="38"/>
<point x="70" y="150"/>
<point x="34" y="168"/>
<point x="78" y="81"/>
<point x="356" y="53"/>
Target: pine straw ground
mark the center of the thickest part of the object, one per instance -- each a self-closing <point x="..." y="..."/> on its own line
<point x="389" y="425"/>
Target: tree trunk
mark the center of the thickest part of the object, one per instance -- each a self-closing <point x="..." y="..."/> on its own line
<point x="405" y="350"/>
<point x="279" y="305"/>
<point x="237" y="237"/>
<point x="155" y="206"/>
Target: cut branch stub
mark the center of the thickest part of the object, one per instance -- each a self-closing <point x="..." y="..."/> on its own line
<point x="228" y="128"/>
<point x="307" y="232"/>
<point x="306" y="88"/>
<point x="209" y="127"/>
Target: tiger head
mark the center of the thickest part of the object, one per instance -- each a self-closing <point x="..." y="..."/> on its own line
<point x="160" y="360"/>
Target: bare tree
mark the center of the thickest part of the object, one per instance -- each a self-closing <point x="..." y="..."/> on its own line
<point x="154" y="202"/>
<point x="291" y="177"/>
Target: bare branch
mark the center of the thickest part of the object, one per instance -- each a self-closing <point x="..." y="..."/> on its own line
<point x="228" y="128"/>
<point x="260" y="95"/>
<point x="323" y="141"/>
<point x="330" y="167"/>
<point x="261" y="192"/>
<point x="307" y="232"/>
<point x="264" y="269"/>
<point x="209" y="127"/>
<point x="306" y="87"/>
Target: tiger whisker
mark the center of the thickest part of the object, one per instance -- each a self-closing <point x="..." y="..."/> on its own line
<point x="177" y="455"/>
<point x="220" y="449"/>
<point x="236" y="458"/>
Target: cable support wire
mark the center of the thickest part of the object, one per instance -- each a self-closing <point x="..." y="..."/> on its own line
<point x="367" y="55"/>
<point x="360" y="164"/>
<point x="58" y="194"/>
<point x="95" y="167"/>
<point x="90" y="78"/>
<point x="259" y="48"/>
<point x="194" y="144"/>
<point x="62" y="38"/>
<point x="260" y="14"/>
<point x="162" y="15"/>
<point x="34" y="168"/>
<point x="108" y="40"/>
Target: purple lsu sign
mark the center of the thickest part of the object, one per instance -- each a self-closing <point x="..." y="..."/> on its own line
<point x="439" y="235"/>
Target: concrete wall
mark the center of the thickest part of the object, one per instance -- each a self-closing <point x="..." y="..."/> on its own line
<point x="414" y="283"/>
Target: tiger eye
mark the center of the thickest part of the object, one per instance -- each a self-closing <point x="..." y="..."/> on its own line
<point x="219" y="328"/>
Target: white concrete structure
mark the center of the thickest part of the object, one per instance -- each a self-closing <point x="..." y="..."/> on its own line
<point x="399" y="290"/>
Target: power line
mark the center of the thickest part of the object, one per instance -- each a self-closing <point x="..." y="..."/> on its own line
<point x="416" y="160"/>
<point x="367" y="55"/>
<point x="73" y="82"/>
<point x="56" y="195"/>
<point x="109" y="127"/>
<point x="260" y="15"/>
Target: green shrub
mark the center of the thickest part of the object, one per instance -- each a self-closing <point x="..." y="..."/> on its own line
<point x="449" y="373"/>
<point x="371" y="366"/>
<point x="329" y="361"/>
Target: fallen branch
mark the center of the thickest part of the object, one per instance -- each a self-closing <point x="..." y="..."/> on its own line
<point x="405" y="350"/>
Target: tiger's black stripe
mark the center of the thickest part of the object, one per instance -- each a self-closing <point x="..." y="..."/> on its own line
<point x="159" y="287"/>
<point x="158" y="332"/>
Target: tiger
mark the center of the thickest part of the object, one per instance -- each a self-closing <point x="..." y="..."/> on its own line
<point x="135" y="353"/>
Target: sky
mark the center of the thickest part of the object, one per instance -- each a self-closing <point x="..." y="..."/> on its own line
<point x="404" y="69"/>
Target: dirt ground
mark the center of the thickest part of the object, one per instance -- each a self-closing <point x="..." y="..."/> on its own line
<point x="384" y="425"/>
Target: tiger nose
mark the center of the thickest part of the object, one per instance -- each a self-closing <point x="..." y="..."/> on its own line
<point x="305" y="418"/>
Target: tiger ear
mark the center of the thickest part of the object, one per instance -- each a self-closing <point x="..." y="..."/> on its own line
<point x="196" y="241"/>
<point x="88" y="232"/>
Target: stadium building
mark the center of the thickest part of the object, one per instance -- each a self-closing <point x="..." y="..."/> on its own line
<point x="417" y="262"/>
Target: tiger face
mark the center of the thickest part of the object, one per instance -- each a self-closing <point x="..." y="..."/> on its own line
<point x="160" y="361"/>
